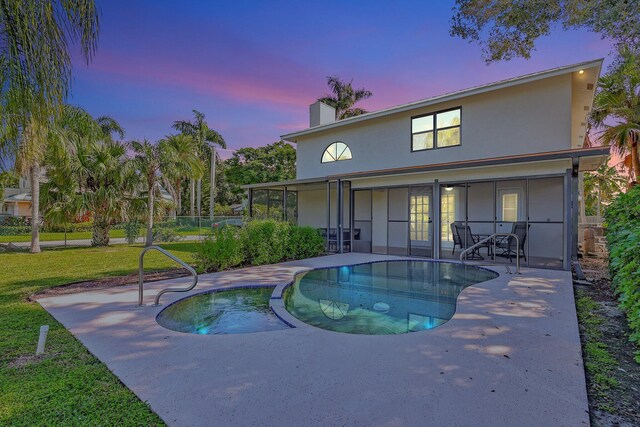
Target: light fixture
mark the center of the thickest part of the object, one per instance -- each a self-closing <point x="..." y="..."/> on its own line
<point x="581" y="72"/>
<point x="448" y="188"/>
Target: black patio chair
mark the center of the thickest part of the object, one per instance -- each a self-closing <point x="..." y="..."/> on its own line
<point x="467" y="239"/>
<point x="456" y="238"/>
<point x="509" y="247"/>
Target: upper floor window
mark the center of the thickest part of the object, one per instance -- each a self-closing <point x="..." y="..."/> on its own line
<point x="336" y="151"/>
<point x="436" y="130"/>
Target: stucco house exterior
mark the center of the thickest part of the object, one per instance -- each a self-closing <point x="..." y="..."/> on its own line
<point x="432" y="177"/>
<point x="17" y="201"/>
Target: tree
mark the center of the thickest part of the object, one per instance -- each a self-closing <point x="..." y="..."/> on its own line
<point x="601" y="188"/>
<point x="618" y="100"/>
<point x="36" y="74"/>
<point x="187" y="164"/>
<point x="509" y="29"/>
<point x="7" y="179"/>
<point x="156" y="163"/>
<point x="87" y="172"/>
<point x="344" y="97"/>
<point x="271" y="163"/>
<point x="206" y="139"/>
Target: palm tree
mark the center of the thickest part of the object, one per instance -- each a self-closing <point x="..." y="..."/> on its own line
<point x="206" y="139"/>
<point x="602" y="186"/>
<point x="153" y="162"/>
<point x="35" y="37"/>
<point x="87" y="172"/>
<point x="344" y="98"/>
<point x="618" y="99"/>
<point x="36" y="76"/>
<point x="187" y="164"/>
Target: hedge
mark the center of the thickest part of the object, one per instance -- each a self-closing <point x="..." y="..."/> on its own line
<point x="623" y="238"/>
<point x="259" y="242"/>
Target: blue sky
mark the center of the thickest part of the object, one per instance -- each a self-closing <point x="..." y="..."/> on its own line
<point x="254" y="67"/>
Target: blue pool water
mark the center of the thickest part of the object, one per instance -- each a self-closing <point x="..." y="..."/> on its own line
<point x="235" y="311"/>
<point x="381" y="298"/>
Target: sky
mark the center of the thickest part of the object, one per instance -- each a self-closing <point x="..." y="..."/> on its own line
<point x="254" y="67"/>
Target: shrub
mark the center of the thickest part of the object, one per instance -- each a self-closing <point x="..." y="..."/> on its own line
<point x="623" y="237"/>
<point x="14" y="230"/>
<point x="222" y="250"/>
<point x="70" y="227"/>
<point x="265" y="241"/>
<point x="13" y="221"/>
<point x="131" y="231"/>
<point x="165" y="234"/>
<point x="304" y="242"/>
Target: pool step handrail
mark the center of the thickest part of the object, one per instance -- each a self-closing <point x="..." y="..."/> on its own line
<point x="486" y="239"/>
<point x="163" y="291"/>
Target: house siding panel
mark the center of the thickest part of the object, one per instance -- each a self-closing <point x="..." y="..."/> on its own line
<point x="524" y="119"/>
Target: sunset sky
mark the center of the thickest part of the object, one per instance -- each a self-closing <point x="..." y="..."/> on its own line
<point x="254" y="67"/>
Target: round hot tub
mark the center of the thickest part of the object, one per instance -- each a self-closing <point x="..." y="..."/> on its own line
<point x="232" y="311"/>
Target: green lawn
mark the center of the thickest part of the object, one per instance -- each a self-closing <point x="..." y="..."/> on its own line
<point x="79" y="235"/>
<point x="69" y="386"/>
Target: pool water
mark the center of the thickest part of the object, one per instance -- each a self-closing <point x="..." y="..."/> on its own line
<point x="391" y="297"/>
<point x="235" y="311"/>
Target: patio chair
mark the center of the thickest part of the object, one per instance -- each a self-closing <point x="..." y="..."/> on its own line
<point x="456" y="238"/>
<point x="467" y="239"/>
<point x="508" y="245"/>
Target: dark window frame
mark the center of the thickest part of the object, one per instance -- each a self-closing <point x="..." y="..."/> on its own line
<point x="435" y="129"/>
<point x="337" y="160"/>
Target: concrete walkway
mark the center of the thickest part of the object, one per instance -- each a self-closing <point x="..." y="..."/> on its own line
<point x="510" y="356"/>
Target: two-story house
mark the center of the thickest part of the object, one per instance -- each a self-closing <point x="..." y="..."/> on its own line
<point x="430" y="178"/>
<point x="17" y="201"/>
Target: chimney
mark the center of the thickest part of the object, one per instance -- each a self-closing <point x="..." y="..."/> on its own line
<point x="321" y="114"/>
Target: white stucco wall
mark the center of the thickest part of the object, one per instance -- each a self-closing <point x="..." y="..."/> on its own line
<point x="528" y="118"/>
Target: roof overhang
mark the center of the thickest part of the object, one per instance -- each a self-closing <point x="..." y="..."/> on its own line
<point x="291" y="137"/>
<point x="589" y="159"/>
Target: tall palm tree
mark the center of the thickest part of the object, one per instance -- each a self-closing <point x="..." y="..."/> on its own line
<point x="153" y="162"/>
<point x="187" y="164"/>
<point x="344" y="98"/>
<point x="207" y="139"/>
<point x="36" y="73"/>
<point x="34" y="41"/>
<point x="618" y="100"/>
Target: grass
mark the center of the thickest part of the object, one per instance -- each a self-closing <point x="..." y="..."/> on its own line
<point x="598" y="361"/>
<point x="68" y="386"/>
<point x="81" y="235"/>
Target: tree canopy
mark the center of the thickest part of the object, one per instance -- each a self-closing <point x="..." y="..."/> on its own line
<point x="509" y="29"/>
<point x="344" y="97"/>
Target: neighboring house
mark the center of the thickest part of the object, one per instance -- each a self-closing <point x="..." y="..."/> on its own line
<point x="432" y="177"/>
<point x="17" y="201"/>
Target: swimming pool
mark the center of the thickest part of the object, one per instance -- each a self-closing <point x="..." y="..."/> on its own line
<point x="233" y="311"/>
<point x="380" y="298"/>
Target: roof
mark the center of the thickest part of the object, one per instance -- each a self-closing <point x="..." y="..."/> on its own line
<point x="527" y="78"/>
<point x="20" y="197"/>
<point x="572" y="153"/>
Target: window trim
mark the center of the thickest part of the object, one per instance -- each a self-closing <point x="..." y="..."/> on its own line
<point x="336" y="160"/>
<point x="435" y="129"/>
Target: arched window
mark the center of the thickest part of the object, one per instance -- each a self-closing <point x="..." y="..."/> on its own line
<point x="336" y="151"/>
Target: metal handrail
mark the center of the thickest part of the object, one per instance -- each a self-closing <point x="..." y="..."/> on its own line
<point x="479" y="243"/>
<point x="163" y="291"/>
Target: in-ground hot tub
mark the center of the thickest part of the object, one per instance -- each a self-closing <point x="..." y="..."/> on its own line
<point x="380" y="298"/>
<point x="230" y="311"/>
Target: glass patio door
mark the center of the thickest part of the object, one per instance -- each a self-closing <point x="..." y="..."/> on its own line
<point x="421" y="221"/>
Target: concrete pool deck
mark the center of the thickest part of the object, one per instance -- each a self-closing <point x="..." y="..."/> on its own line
<point x="510" y="356"/>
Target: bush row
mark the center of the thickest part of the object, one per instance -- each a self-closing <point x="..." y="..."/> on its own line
<point x="623" y="238"/>
<point x="14" y="230"/>
<point x="258" y="242"/>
